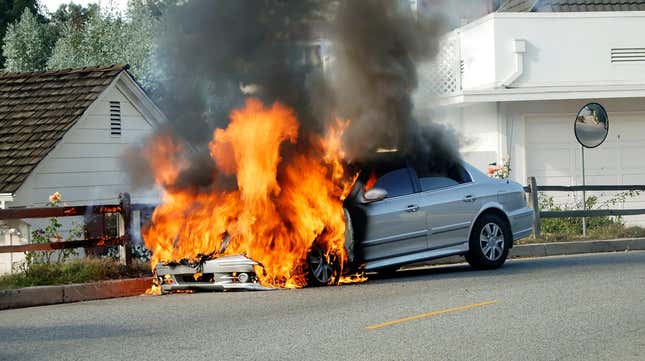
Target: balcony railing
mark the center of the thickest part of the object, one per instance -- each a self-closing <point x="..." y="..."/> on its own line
<point x="442" y="76"/>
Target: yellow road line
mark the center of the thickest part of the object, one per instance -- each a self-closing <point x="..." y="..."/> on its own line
<point x="429" y="314"/>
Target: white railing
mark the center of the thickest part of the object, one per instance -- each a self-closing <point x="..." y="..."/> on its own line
<point x="442" y="76"/>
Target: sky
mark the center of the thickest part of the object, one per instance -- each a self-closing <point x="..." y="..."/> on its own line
<point x="52" y="5"/>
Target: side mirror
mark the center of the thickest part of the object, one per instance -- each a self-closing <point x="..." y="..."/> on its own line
<point x="375" y="194"/>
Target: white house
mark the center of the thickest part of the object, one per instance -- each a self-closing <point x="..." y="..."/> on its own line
<point x="512" y="81"/>
<point x="66" y="131"/>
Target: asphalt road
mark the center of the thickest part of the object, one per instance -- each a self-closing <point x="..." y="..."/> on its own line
<point x="589" y="307"/>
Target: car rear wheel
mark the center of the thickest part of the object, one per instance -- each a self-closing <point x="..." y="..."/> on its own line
<point x="323" y="269"/>
<point x="490" y="241"/>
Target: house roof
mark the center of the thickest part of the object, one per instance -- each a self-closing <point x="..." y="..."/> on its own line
<point x="37" y="108"/>
<point x="571" y="5"/>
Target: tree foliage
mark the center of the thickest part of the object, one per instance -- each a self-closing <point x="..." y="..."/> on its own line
<point x="78" y="36"/>
<point x="10" y="11"/>
<point x="26" y="44"/>
<point x="107" y="37"/>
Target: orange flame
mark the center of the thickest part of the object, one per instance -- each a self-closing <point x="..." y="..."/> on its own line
<point x="371" y="181"/>
<point x="285" y="201"/>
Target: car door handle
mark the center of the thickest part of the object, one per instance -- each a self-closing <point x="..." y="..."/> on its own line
<point x="412" y="208"/>
<point x="469" y="198"/>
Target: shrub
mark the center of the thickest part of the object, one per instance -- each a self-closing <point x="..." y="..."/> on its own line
<point x="75" y="271"/>
<point x="557" y="229"/>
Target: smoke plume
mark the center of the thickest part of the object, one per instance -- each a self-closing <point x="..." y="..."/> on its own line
<point x="212" y="54"/>
<point x="376" y="46"/>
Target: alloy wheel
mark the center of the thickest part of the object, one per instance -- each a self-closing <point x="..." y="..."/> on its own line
<point x="321" y="266"/>
<point x="491" y="241"/>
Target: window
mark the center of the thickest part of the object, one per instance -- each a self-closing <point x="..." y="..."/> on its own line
<point x="115" y="118"/>
<point x="396" y="183"/>
<point x="436" y="179"/>
<point x="432" y="183"/>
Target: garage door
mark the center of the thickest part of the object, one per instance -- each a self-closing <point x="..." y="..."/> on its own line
<point x="553" y="156"/>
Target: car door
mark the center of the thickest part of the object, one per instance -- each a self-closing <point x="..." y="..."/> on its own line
<point x="394" y="225"/>
<point x="449" y="202"/>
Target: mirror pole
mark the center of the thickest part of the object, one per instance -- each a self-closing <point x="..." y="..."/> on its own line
<point x="584" y="193"/>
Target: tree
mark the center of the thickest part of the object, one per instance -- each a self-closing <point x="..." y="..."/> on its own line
<point x="10" y="11"/>
<point x="73" y="14"/>
<point x="108" y="37"/>
<point x="26" y="45"/>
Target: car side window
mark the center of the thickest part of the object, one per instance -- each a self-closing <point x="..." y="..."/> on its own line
<point x="430" y="179"/>
<point x="432" y="183"/>
<point x="396" y="182"/>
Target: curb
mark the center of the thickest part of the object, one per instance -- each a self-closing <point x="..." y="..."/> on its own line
<point x="577" y="247"/>
<point x="555" y="249"/>
<point x="49" y="295"/>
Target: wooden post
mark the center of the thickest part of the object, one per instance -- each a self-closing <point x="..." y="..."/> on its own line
<point x="533" y="189"/>
<point x="125" y="228"/>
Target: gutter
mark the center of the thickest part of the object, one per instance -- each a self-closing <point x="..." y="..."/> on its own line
<point x="5" y="197"/>
<point x="519" y="48"/>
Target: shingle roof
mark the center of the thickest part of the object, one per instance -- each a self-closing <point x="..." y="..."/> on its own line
<point x="36" y="109"/>
<point x="571" y="5"/>
<point x="516" y="6"/>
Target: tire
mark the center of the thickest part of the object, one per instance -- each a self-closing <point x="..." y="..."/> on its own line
<point x="322" y="270"/>
<point x="490" y="241"/>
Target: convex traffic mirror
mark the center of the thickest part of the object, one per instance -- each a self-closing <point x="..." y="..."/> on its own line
<point x="592" y="125"/>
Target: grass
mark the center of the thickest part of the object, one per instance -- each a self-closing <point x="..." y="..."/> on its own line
<point x="595" y="232"/>
<point x="598" y="228"/>
<point x="75" y="271"/>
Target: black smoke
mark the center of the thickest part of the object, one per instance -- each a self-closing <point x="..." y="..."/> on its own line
<point x="377" y="45"/>
<point x="211" y="52"/>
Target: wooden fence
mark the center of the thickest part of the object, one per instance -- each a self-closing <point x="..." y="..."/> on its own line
<point x="532" y="189"/>
<point x="125" y="210"/>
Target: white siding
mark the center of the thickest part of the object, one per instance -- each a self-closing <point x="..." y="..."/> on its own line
<point x="85" y="167"/>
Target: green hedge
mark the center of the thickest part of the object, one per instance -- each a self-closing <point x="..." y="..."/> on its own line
<point x="74" y="271"/>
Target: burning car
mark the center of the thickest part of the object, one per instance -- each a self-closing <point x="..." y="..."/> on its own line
<point x="398" y="212"/>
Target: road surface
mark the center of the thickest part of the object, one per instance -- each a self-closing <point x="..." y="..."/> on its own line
<point x="588" y="307"/>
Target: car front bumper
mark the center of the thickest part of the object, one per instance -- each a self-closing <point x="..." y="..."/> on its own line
<point x="219" y="274"/>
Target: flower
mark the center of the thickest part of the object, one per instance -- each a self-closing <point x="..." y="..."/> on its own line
<point x="55" y="198"/>
<point x="502" y="171"/>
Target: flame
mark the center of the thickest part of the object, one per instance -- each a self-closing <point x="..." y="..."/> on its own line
<point x="354" y="278"/>
<point x="289" y="195"/>
<point x="371" y="181"/>
<point x="154" y="290"/>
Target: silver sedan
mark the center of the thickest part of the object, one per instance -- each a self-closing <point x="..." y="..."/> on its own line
<point x="400" y="213"/>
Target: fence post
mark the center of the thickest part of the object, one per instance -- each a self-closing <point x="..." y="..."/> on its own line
<point x="533" y="189"/>
<point x="125" y="228"/>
